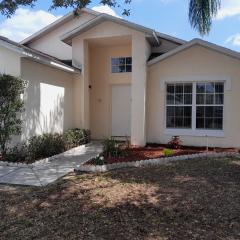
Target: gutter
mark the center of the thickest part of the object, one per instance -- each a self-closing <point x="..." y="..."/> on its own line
<point x="37" y="57"/>
<point x="51" y="63"/>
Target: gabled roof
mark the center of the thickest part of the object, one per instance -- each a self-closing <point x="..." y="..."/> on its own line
<point x="195" y="42"/>
<point x="55" y="24"/>
<point x="67" y="37"/>
<point x="99" y="17"/>
<point x="36" y="55"/>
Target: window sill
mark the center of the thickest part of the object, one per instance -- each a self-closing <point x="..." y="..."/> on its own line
<point x="194" y="133"/>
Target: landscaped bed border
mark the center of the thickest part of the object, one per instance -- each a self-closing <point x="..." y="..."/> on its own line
<point x="45" y="160"/>
<point x="153" y="162"/>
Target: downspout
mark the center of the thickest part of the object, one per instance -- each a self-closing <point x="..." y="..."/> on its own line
<point x="156" y="38"/>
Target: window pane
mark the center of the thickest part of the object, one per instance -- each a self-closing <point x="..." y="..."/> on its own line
<point x="200" y="123"/>
<point x="219" y="87"/>
<point x="170" y="99"/>
<point x="209" y="98"/>
<point x="218" y="123"/>
<point x="170" y="122"/>
<point x="187" y="88"/>
<point x="121" y="68"/>
<point x="187" y="98"/>
<point x="179" y="88"/>
<point x="209" y="111"/>
<point x="170" y="111"/>
<point x="179" y="99"/>
<point x="170" y="88"/>
<point x="200" y="112"/>
<point x="122" y="61"/>
<point x="218" y="112"/>
<point x="129" y="68"/>
<point x="200" y="98"/>
<point x="129" y="60"/>
<point x="115" y="69"/>
<point x="115" y="61"/>
<point x="179" y="111"/>
<point x="179" y="122"/>
<point x="188" y="112"/>
<point x="201" y="88"/>
<point x="187" y="122"/>
<point x="209" y="123"/>
<point x="210" y="88"/>
<point x="219" y="99"/>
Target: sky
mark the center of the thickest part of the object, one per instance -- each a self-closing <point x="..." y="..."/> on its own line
<point x="166" y="16"/>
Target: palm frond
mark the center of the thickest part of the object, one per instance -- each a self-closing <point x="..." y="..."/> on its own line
<point x="201" y="13"/>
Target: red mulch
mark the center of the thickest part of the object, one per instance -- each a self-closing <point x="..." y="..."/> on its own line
<point x="152" y="151"/>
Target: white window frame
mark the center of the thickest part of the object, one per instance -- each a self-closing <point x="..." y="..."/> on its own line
<point x="125" y="65"/>
<point x="194" y="131"/>
<point x="178" y="105"/>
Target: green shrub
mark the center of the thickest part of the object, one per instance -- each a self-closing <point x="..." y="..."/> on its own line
<point x="18" y="153"/>
<point x="111" y="148"/>
<point x="76" y="137"/>
<point x="168" y="152"/>
<point x="11" y="107"/>
<point x="99" y="160"/>
<point x="45" y="145"/>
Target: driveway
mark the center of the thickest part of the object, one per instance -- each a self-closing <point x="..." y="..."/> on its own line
<point x="48" y="172"/>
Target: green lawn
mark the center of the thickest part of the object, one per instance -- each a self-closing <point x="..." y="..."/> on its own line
<point x="195" y="199"/>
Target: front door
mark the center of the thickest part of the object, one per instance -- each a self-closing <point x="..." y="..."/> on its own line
<point x="121" y="110"/>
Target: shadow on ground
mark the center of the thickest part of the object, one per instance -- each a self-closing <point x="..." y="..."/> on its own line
<point x="197" y="199"/>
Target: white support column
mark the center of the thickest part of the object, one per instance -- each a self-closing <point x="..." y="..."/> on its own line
<point x="140" y="52"/>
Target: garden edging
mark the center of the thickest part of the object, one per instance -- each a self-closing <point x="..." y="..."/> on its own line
<point x="152" y="162"/>
<point x="43" y="161"/>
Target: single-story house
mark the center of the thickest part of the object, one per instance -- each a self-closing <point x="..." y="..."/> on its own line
<point x="118" y="78"/>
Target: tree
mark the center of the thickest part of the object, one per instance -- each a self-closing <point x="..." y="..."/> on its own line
<point x="201" y="12"/>
<point x="11" y="105"/>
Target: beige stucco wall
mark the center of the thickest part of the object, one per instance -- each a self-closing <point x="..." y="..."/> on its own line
<point x="81" y="91"/>
<point x="101" y="81"/>
<point x="48" y="99"/>
<point x="9" y="62"/>
<point x="140" y="52"/>
<point x="51" y="44"/>
<point x="197" y="63"/>
<point x="103" y="30"/>
<point x="139" y="79"/>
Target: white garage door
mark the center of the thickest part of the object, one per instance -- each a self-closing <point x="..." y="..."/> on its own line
<point x="121" y="110"/>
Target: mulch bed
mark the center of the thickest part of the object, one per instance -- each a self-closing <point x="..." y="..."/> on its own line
<point x="152" y="151"/>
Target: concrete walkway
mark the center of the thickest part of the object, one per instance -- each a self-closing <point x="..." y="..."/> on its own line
<point x="45" y="173"/>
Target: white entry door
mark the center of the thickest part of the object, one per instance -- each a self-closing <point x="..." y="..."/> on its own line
<point x="121" y="110"/>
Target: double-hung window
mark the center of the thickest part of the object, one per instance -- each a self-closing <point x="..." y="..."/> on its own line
<point x="209" y="105"/>
<point x="179" y="105"/>
<point x="195" y="106"/>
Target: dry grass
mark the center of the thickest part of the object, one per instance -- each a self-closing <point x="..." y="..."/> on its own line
<point x="198" y="199"/>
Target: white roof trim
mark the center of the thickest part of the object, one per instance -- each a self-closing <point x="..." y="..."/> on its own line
<point x="99" y="19"/>
<point x="170" y="38"/>
<point x="35" y="56"/>
<point x="105" y="17"/>
<point x="55" y="24"/>
<point x="191" y="43"/>
<point x="70" y="16"/>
